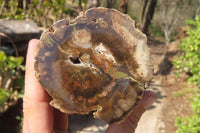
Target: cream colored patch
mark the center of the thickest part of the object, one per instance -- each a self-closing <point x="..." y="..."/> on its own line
<point x="136" y="38"/>
<point x="101" y="49"/>
<point x="82" y="38"/>
<point x="144" y="61"/>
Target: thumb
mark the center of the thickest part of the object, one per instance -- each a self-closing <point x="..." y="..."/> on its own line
<point x="130" y="123"/>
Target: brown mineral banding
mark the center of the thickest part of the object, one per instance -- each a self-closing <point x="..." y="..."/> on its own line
<point x="97" y="62"/>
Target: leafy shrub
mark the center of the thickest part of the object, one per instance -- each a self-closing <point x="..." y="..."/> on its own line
<point x="44" y="12"/>
<point x="11" y="81"/>
<point x="13" y="11"/>
<point x="190" y="59"/>
<point x="191" y="47"/>
<point x="190" y="124"/>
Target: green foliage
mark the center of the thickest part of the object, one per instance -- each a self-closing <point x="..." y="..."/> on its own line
<point x="21" y="119"/>
<point x="58" y="8"/>
<point x="43" y="12"/>
<point x="191" y="47"/>
<point x="190" y="124"/>
<point x="156" y="31"/>
<point x="11" y="81"/>
<point x="13" y="6"/>
<point x="12" y="11"/>
<point x="4" y="96"/>
<point x="190" y="59"/>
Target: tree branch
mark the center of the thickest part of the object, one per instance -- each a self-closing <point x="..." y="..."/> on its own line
<point x="2" y="6"/>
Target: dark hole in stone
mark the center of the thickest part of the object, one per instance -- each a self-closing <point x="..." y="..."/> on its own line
<point x="51" y="29"/>
<point x="75" y="60"/>
<point x="94" y="20"/>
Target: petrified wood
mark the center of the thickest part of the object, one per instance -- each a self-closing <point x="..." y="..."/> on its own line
<point x="97" y="62"/>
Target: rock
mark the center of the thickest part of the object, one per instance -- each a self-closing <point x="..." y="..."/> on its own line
<point x="173" y="47"/>
<point x="19" y="30"/>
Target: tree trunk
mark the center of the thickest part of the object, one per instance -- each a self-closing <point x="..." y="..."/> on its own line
<point x="110" y="3"/>
<point x="24" y="8"/>
<point x="80" y="5"/>
<point x="123" y="6"/>
<point x="143" y="10"/>
<point x="98" y="3"/>
<point x="167" y="27"/>
<point x="148" y="15"/>
<point x="170" y="22"/>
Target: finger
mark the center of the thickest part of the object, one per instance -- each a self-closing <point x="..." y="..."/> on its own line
<point x="148" y="99"/>
<point x="130" y="123"/>
<point x="60" y="120"/>
<point x="38" y="115"/>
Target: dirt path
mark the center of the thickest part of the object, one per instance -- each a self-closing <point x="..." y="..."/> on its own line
<point x="150" y="120"/>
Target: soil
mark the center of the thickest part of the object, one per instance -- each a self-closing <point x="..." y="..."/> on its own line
<point x="177" y="99"/>
<point x="173" y="99"/>
<point x="159" y="118"/>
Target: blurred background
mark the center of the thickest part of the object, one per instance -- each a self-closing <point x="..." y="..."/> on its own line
<point x="173" y="31"/>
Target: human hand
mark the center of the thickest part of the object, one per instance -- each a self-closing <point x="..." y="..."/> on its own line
<point x="40" y="117"/>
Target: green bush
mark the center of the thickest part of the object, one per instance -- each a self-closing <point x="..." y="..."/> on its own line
<point x="190" y="124"/>
<point x="190" y="59"/>
<point x="11" y="81"/>
<point x="191" y="47"/>
<point x="43" y="12"/>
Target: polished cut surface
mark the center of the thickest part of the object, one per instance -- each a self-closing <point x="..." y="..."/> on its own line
<point x="97" y="62"/>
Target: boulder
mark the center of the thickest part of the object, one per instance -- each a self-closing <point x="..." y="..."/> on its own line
<point x="20" y="32"/>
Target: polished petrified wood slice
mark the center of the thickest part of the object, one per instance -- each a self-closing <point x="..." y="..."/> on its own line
<point x="97" y="62"/>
